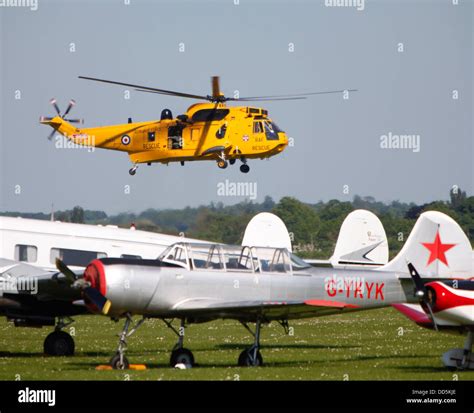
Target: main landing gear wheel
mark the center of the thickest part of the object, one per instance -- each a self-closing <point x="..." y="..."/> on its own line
<point x="119" y="364"/>
<point x="59" y="343"/>
<point x="244" y="168"/>
<point x="247" y="358"/>
<point x="222" y="164"/>
<point x="231" y="161"/>
<point x="182" y="355"/>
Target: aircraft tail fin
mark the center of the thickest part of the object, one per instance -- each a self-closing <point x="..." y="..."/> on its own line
<point x="361" y="242"/>
<point x="437" y="247"/>
<point x="267" y="230"/>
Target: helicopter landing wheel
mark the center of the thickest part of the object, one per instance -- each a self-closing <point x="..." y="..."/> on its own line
<point x="244" y="168"/>
<point x="231" y="161"/>
<point x="222" y="164"/>
<point x="133" y="170"/>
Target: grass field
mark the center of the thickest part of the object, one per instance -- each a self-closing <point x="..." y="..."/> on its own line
<point x="360" y="346"/>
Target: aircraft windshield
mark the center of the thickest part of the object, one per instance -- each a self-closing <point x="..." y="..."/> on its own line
<point x="232" y="258"/>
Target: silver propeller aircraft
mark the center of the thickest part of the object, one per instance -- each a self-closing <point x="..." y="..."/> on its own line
<point x="197" y="283"/>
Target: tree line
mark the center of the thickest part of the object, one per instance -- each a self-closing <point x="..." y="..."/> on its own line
<point x="314" y="227"/>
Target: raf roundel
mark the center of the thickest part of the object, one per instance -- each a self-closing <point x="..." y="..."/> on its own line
<point x="125" y="140"/>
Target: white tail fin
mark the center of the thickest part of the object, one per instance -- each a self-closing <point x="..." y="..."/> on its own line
<point x="437" y="247"/>
<point x="361" y="242"/>
<point x="267" y="230"/>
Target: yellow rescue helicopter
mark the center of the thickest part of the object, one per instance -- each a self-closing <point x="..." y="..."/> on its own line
<point x="207" y="131"/>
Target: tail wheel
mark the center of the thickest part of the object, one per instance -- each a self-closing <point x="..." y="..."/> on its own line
<point x="222" y="164"/>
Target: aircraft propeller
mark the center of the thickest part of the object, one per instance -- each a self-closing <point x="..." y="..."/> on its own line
<point x="53" y="102"/>
<point x="421" y="292"/>
<point x="91" y="294"/>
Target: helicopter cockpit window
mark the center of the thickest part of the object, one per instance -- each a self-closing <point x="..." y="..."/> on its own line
<point x="257" y="127"/>
<point x="175" y="139"/>
<point x="207" y="115"/>
<point x="270" y="133"/>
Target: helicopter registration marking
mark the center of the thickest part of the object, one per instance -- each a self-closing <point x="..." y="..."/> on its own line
<point x="261" y="148"/>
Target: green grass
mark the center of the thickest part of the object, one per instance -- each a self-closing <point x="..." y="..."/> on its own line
<point x="363" y="346"/>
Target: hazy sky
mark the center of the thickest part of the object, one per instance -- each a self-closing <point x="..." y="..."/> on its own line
<point x="336" y="142"/>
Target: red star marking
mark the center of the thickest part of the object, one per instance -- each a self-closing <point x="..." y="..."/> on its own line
<point x="437" y="250"/>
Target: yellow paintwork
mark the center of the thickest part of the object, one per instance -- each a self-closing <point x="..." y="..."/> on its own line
<point x="239" y="141"/>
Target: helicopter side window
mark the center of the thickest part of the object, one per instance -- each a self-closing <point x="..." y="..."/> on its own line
<point x="257" y="127"/>
<point x="221" y="131"/>
<point x="151" y="136"/>
<point x="175" y="139"/>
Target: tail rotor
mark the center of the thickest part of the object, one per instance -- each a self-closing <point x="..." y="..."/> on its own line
<point x="50" y="120"/>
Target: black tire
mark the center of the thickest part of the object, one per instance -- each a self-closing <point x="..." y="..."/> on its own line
<point x="59" y="343"/>
<point x="117" y="365"/>
<point x="182" y="355"/>
<point x="231" y="161"/>
<point x="245" y="359"/>
<point x="222" y="164"/>
<point x="244" y="168"/>
<point x="132" y="171"/>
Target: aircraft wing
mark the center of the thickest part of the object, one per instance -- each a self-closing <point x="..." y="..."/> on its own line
<point x="24" y="283"/>
<point x="205" y="309"/>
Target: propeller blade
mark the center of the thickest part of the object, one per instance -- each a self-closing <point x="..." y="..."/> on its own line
<point x="147" y="89"/>
<point x="419" y="285"/>
<point x="216" y="90"/>
<point x="55" y="106"/>
<point x="421" y="292"/>
<point x="294" y="95"/>
<point x="63" y="268"/>
<point x="430" y="310"/>
<point x="72" y="103"/>
<point x="96" y="298"/>
<point x="51" y="135"/>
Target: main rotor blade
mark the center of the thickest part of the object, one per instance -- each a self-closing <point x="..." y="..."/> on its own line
<point x="63" y="268"/>
<point x="294" y="95"/>
<point x="265" y="99"/>
<point x="146" y="88"/>
<point x="174" y="94"/>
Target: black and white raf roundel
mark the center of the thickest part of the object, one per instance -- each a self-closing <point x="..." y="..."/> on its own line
<point x="125" y="140"/>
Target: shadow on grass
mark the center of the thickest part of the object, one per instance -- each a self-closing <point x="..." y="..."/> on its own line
<point x="241" y="346"/>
